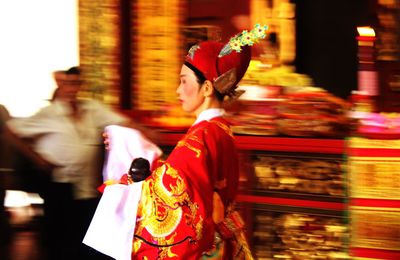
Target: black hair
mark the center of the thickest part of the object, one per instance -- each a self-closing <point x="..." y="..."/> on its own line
<point x="201" y="79"/>
<point x="199" y="75"/>
<point x="219" y="96"/>
<point x="73" y="71"/>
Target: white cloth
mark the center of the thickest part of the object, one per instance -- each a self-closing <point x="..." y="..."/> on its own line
<point x="73" y="145"/>
<point x="126" y="144"/>
<point x="112" y="228"/>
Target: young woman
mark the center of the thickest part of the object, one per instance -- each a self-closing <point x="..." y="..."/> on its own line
<point x="185" y="210"/>
<point x="186" y="202"/>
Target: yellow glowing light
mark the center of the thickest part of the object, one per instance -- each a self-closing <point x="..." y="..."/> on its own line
<point x="366" y="31"/>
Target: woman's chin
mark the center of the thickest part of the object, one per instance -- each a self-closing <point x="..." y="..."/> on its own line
<point x="186" y="109"/>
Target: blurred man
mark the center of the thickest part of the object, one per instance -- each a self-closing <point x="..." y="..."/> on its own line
<point x="67" y="145"/>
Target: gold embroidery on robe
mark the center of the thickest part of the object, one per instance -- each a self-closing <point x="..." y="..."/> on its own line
<point x="162" y="207"/>
<point x="193" y="137"/>
<point x="190" y="147"/>
<point x="224" y="127"/>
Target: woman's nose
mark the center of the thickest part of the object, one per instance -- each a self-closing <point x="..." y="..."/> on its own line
<point x="178" y="89"/>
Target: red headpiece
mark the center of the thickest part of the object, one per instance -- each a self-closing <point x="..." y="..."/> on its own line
<point x="225" y="64"/>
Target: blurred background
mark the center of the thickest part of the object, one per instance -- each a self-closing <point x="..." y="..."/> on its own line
<point x="318" y="126"/>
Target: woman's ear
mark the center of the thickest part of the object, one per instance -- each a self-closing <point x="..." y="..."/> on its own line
<point x="208" y="88"/>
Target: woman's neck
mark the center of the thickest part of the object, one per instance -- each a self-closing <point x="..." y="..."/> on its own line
<point x="207" y="104"/>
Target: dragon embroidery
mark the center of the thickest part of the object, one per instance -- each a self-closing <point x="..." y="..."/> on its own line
<point x="162" y="208"/>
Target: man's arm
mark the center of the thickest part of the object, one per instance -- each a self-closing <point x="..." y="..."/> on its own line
<point x="25" y="148"/>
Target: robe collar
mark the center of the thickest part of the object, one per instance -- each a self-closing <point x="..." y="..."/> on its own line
<point x="209" y="114"/>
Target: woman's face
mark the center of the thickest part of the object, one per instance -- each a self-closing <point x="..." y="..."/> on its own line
<point x="189" y="92"/>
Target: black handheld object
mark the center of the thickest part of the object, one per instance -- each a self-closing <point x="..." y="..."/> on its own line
<point x="139" y="170"/>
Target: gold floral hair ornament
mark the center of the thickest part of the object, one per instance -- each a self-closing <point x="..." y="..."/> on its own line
<point x="244" y="38"/>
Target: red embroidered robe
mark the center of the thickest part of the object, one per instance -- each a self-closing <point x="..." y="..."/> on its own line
<point x="175" y="212"/>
